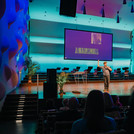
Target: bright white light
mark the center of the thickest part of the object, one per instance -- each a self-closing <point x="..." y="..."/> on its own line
<point x="18" y="121"/>
<point x="20" y="105"/>
<point x="22" y="97"/>
<point x="21" y="101"/>
<point x="19" y="115"/>
<point x="20" y="110"/>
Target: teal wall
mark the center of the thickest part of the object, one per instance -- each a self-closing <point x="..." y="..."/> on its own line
<point x="49" y="52"/>
<point x="53" y="61"/>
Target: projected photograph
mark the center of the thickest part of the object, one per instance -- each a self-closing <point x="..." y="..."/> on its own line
<point x="86" y="45"/>
<point x="96" y="38"/>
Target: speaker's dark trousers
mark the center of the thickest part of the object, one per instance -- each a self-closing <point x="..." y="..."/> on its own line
<point x="106" y="82"/>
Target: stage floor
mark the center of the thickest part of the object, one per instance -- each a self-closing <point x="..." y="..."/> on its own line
<point x="121" y="88"/>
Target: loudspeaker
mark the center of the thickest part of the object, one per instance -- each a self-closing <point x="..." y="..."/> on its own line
<point x="50" y="87"/>
<point x="50" y="90"/>
<point x="51" y="75"/>
<point x="68" y="7"/>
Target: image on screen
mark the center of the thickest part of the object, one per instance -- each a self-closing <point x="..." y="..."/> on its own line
<point x="87" y="45"/>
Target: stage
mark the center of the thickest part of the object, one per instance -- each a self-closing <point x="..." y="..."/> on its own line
<point x="117" y="87"/>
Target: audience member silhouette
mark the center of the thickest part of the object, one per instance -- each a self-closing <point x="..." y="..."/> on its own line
<point x="129" y="126"/>
<point x="110" y="109"/>
<point x="72" y="114"/>
<point x="108" y="102"/>
<point x="116" y="101"/>
<point x="82" y="103"/>
<point x="65" y="105"/>
<point x="94" y="120"/>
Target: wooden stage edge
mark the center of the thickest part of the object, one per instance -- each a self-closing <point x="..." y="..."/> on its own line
<point x="73" y="82"/>
<point x="101" y="81"/>
<point x="117" y="87"/>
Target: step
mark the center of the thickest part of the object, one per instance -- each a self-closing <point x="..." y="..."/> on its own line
<point x="22" y="95"/>
<point x="20" y="105"/>
<point x="16" y="102"/>
<point x="19" y="114"/>
<point x="14" y="117"/>
<point x="18" y="111"/>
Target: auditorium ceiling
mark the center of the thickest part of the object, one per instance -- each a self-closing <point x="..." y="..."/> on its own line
<point x="49" y="10"/>
<point x="47" y="26"/>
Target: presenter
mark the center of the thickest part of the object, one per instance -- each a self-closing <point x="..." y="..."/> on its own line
<point x="106" y="75"/>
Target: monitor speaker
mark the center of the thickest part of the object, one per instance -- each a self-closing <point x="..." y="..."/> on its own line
<point x="50" y="87"/>
<point x="68" y="7"/>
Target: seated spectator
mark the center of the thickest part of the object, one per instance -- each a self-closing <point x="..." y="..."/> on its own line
<point x="82" y="103"/>
<point x="94" y="120"/>
<point x="116" y="101"/>
<point x="128" y="126"/>
<point x="109" y="103"/>
<point x="72" y="114"/>
<point x="65" y="105"/>
<point x="110" y="109"/>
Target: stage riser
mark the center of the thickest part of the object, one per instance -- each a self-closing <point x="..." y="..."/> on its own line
<point x="90" y="77"/>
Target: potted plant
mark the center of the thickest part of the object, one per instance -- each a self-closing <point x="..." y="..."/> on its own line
<point x="32" y="68"/>
<point x="61" y="80"/>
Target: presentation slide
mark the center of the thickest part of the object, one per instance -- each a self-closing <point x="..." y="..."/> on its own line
<point x="85" y="45"/>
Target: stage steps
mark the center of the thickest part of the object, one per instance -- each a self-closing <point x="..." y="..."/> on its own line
<point x="19" y="107"/>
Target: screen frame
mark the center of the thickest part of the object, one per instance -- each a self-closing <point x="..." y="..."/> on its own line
<point x="86" y="31"/>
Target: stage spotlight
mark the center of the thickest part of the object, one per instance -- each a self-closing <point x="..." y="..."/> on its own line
<point x="132" y="8"/>
<point x="84" y="7"/>
<point x="103" y="12"/>
<point x="118" y="18"/>
<point x="124" y="2"/>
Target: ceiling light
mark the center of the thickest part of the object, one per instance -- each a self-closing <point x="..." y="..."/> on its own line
<point x="118" y="18"/>
<point x="124" y="2"/>
<point x="132" y="8"/>
<point x="84" y="7"/>
<point x="103" y="12"/>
